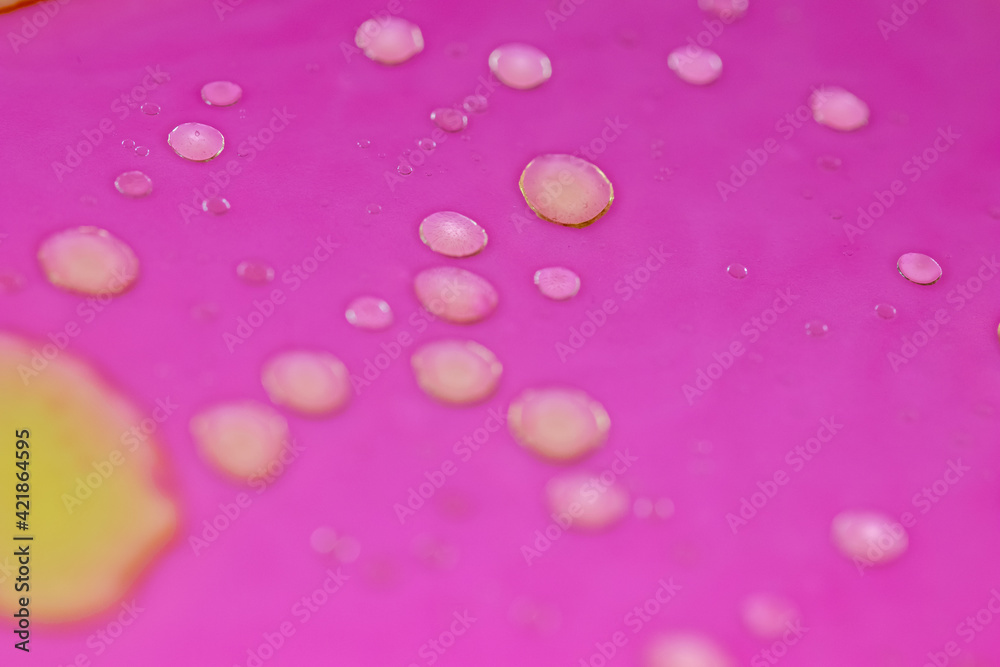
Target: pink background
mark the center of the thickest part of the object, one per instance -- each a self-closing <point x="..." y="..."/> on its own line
<point x="609" y="61"/>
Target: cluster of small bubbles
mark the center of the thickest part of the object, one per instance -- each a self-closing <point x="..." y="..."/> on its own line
<point x="816" y="328"/>
<point x="128" y="144"/>
<point x="150" y="109"/>
<point x="141" y="151"/>
<point x="427" y="144"/>
<point x="374" y="209"/>
<point x="404" y="169"/>
<point x="664" y="174"/>
<point x="828" y="162"/>
<point x="737" y="270"/>
<point x="215" y="205"/>
<point x="885" y="311"/>
<point x="364" y="143"/>
<point x="255" y="272"/>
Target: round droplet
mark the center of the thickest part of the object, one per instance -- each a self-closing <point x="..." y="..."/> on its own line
<point x="686" y="650"/>
<point x="839" y="109"/>
<point x="566" y="190"/>
<point x="643" y="508"/>
<point x="595" y="505"/>
<point x="475" y="104"/>
<point x="128" y="144"/>
<point x="364" y="143"/>
<point x="374" y="209"/>
<point x="389" y="40"/>
<point x="254" y="272"/>
<point x="520" y="66"/>
<point x="456" y="371"/>
<point x="695" y="64"/>
<point x="725" y="9"/>
<point x="134" y="184"/>
<point x="221" y="93"/>
<point x="404" y="169"/>
<point x="816" y="328"/>
<point x="885" y="311"/>
<point x="557" y="282"/>
<point x="452" y="234"/>
<point x="88" y="260"/>
<point x="196" y="141"/>
<point x="737" y="270"/>
<point x="323" y="540"/>
<point x="150" y="109"/>
<point x="427" y="144"/>
<point x="215" y="205"/>
<point x="919" y="268"/>
<point x="664" y="508"/>
<point x="871" y="537"/>
<point x="449" y="120"/>
<point x="369" y="312"/>
<point x="456" y="295"/>
<point x="558" y="424"/>
<point x="768" y="616"/>
<point x="240" y="438"/>
<point x="312" y="383"/>
<point x="141" y="151"/>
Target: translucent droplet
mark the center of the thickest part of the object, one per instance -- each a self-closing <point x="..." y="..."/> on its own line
<point x="737" y="270"/>
<point x="240" y="438"/>
<point x="452" y="234"/>
<point x="768" y="616"/>
<point x="520" y="66"/>
<point x="404" y="169"/>
<point x="816" y="328"/>
<point x="686" y="650"/>
<point x="221" y="93"/>
<point x="643" y="508"/>
<point x="374" y="209"/>
<point x="839" y="109"/>
<point x="134" y="184"/>
<point x="128" y="144"/>
<point x="869" y="536"/>
<point x="455" y="295"/>
<point x="664" y="508"/>
<point x="11" y="282"/>
<point x="427" y="144"/>
<point x="829" y="162"/>
<point x="695" y="65"/>
<point x="449" y="120"/>
<point x="598" y="505"/>
<point x="141" y="151"/>
<point x="566" y="190"/>
<point x="312" y="383"/>
<point x="919" y="268"/>
<point x="215" y="205"/>
<point x="455" y="371"/>
<point x="369" y="312"/>
<point x="254" y="272"/>
<point x="323" y="540"/>
<point x="389" y="40"/>
<point x="150" y="109"/>
<point x="364" y="143"/>
<point x="558" y="424"/>
<point x="557" y="282"/>
<point x="196" y="142"/>
<point x="88" y="260"/>
<point x="475" y="104"/>
<point x="725" y="9"/>
<point x="885" y="311"/>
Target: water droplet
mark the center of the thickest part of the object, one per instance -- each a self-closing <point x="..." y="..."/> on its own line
<point x="558" y="424"/>
<point x="456" y="295"/>
<point x="594" y="511"/>
<point x="11" y="282"/>
<point x="323" y="540"/>
<point x="695" y="65"/>
<point x="839" y="109"/>
<point x="919" y="268"/>
<point x="369" y="312"/>
<point x="475" y="104"/>
<point x="643" y="508"/>
<point x="520" y="66"/>
<point x="389" y="40"/>
<point x="427" y="144"/>
<point x="255" y="272"/>
<point x="150" y="109"/>
<point x="243" y="114"/>
<point x="215" y="205"/>
<point x="88" y="260"/>
<point x="829" y="162"/>
<point x="686" y="650"/>
<point x="869" y="536"/>
<point x="128" y="144"/>
<point x="141" y="151"/>
<point x="449" y="120"/>
<point x="312" y="383"/>
<point x="566" y="190"/>
<point x="885" y="311"/>
<point x="374" y="209"/>
<point x="557" y="282"/>
<point x="196" y="142"/>
<point x="664" y="508"/>
<point x="455" y="371"/>
<point x="240" y="438"/>
<point x="221" y="93"/>
<point x="134" y="184"/>
<point x="452" y="234"/>
<point x="737" y="270"/>
<point x="404" y="169"/>
<point x="768" y="616"/>
<point x="725" y="9"/>
<point x="364" y="143"/>
<point x="816" y="328"/>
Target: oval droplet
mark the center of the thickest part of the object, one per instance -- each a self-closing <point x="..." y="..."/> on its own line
<point x="768" y="616"/>
<point x="196" y="141"/>
<point x="456" y="371"/>
<point x="452" y="234"/>
<point x="725" y="9"/>
<point x="872" y="537"/>
<point x="215" y="205"/>
<point x="240" y="438"/>
<point x="839" y="109"/>
<point x="456" y="295"/>
<point x="128" y="144"/>
<point x="389" y="40"/>
<point x="558" y="424"/>
<point x="369" y="312"/>
<point x="695" y="64"/>
<point x="449" y="120"/>
<point x="374" y="209"/>
<point x="597" y="505"/>
<point x="254" y="272"/>
<point x="141" y="151"/>
<point x="816" y="328"/>
<point x="475" y="104"/>
<point x="134" y="184"/>
<point x="686" y="650"/>
<point x="520" y="66"/>
<point x="221" y="93"/>
<point x="919" y="268"/>
<point x="150" y="109"/>
<point x="404" y="169"/>
<point x="311" y="383"/>
<point x="323" y="540"/>
<point x="88" y="260"/>
<point x="364" y="143"/>
<point x="557" y="282"/>
<point x="885" y="311"/>
<point x="566" y="190"/>
<point x="737" y="270"/>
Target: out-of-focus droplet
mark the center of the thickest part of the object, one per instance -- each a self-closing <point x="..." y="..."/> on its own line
<point x="870" y="537"/>
<point x="374" y="209"/>
<point x="88" y="260"/>
<point x="311" y="383"/>
<point x="150" y="109"/>
<point x="323" y="540"/>
<point x="456" y="371"/>
<point x="369" y="312"/>
<point x="566" y="190"/>
<point x="215" y="205"/>
<point x="364" y="143"/>
<point x="221" y="93"/>
<point x="520" y="66"/>
<point x="664" y="508"/>
<point x="695" y="64"/>
<point x="134" y="184"/>
<point x="128" y="144"/>
<point x="589" y="502"/>
<point x="404" y="169"/>
<point x="919" y="268"/>
<point x="768" y="616"/>
<point x="11" y="282"/>
<point x="196" y="141"/>
<point x="456" y="295"/>
<point x="475" y="104"/>
<point x="427" y="144"/>
<point x="557" y="282"/>
<point x="725" y="9"/>
<point x="141" y="151"/>
<point x="737" y="270"/>
<point x="389" y="40"/>
<point x="839" y="109"/>
<point x="885" y="311"/>
<point x="449" y="120"/>
<point x="452" y="234"/>
<point x="240" y="438"/>
<point x="643" y="508"/>
<point x="435" y="553"/>
<point x="816" y="328"/>
<point x="686" y="650"/>
<point x="254" y="272"/>
<point x="829" y="162"/>
<point x="558" y="424"/>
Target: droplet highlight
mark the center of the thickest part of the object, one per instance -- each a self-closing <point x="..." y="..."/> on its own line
<point x="221" y="93"/>
<point x="839" y="109"/>
<point x="558" y="424"/>
<point x="695" y="64"/>
<point x="389" y="40"/>
<point x="557" y="282"/>
<point x="196" y="141"/>
<point x="566" y="190"/>
<point x="455" y="295"/>
<point x="88" y="260"/>
<point x="369" y="312"/>
<point x="520" y="66"/>
<point x="134" y="184"/>
<point x="452" y="234"/>
<point x="456" y="371"/>
<point x="919" y="268"/>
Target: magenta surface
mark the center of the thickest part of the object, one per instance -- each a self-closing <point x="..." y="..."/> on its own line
<point x="901" y="421"/>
